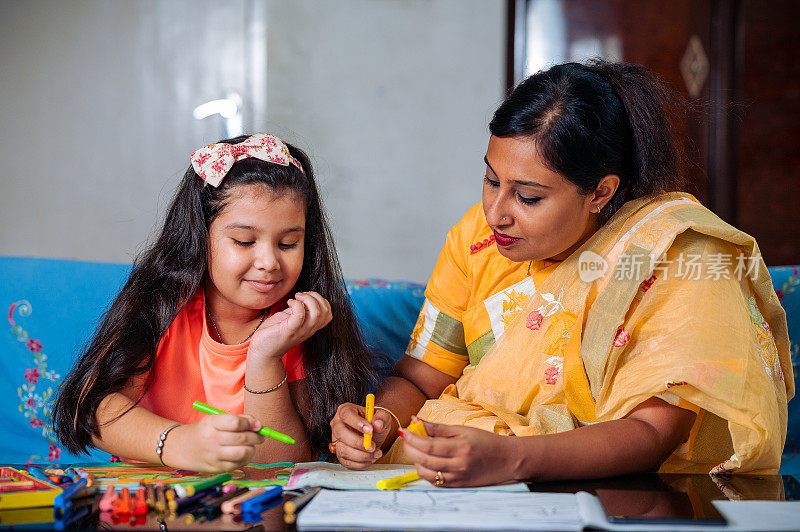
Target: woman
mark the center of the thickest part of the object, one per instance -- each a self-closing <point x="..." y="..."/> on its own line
<point x="611" y="324"/>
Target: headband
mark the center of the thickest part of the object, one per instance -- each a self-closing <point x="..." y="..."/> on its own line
<point x="214" y="161"/>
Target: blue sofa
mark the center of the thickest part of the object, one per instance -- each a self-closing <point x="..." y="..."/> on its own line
<point x="53" y="306"/>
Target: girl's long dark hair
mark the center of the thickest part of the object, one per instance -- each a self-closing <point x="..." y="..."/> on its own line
<point x="338" y="367"/>
<point x="591" y="120"/>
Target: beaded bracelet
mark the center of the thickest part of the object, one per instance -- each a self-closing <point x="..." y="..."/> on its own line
<point x="285" y="376"/>
<point x="160" y="446"/>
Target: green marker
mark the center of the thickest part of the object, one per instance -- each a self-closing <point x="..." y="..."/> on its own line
<point x="266" y="431"/>
<point x="187" y="489"/>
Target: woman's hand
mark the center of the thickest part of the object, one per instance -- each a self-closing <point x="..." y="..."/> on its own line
<point x="216" y="443"/>
<point x="465" y="456"/>
<point x="305" y="315"/>
<point x="348" y="427"/>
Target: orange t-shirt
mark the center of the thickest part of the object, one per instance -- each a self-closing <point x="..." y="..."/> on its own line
<point x="191" y="366"/>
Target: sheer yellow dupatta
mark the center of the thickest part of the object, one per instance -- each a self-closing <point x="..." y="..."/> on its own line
<point x="590" y="350"/>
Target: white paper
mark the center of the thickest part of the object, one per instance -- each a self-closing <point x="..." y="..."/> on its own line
<point x="440" y="510"/>
<point x="336" y="476"/>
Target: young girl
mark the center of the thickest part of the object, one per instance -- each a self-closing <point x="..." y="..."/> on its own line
<point x="240" y="304"/>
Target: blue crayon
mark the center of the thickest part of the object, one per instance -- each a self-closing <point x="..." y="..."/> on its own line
<point x="257" y="504"/>
<point x="62" y="504"/>
<point x="36" y="473"/>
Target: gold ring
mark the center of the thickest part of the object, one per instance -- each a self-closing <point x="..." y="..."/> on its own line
<point x="439" y="480"/>
<point x="332" y="446"/>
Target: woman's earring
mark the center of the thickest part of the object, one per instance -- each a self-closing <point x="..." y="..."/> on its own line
<point x="598" y="209"/>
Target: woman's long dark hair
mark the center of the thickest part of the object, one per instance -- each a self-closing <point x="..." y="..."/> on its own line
<point x="591" y="120"/>
<point x="338" y="367"/>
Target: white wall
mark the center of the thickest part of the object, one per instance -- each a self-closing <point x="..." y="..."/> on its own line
<point x="391" y="98"/>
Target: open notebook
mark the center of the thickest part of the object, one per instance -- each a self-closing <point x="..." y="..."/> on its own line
<point x="335" y="476"/>
<point x="444" y="509"/>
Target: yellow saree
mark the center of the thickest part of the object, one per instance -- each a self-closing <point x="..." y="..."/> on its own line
<point x="665" y="300"/>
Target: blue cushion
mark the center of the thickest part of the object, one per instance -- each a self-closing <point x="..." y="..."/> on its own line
<point x="52" y="308"/>
<point x="386" y="311"/>
<point x="54" y="305"/>
<point x="786" y="281"/>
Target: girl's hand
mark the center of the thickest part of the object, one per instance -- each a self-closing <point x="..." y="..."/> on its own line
<point x="465" y="456"/>
<point x="305" y="315"/>
<point x="216" y="443"/>
<point x="348" y="427"/>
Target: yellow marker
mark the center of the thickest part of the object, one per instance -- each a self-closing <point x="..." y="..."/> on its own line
<point x="417" y="427"/>
<point x="395" y="483"/>
<point x="370" y="413"/>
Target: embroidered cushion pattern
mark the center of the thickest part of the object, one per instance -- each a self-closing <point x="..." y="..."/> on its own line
<point x="35" y="394"/>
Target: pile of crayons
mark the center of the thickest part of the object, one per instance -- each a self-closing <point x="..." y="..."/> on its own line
<point x="60" y="477"/>
<point x="193" y="501"/>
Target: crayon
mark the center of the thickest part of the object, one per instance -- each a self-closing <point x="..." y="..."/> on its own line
<point x="161" y="498"/>
<point x="140" y="506"/>
<point x="212" y="507"/>
<point x="265" y="431"/>
<point x="172" y="502"/>
<point x="196" y="511"/>
<point x="227" y="488"/>
<point x="17" y="485"/>
<point x="398" y="482"/>
<point x="417" y="427"/>
<point x="85" y="474"/>
<point x="63" y="501"/>
<point x="190" y="488"/>
<point x="255" y="505"/>
<point x="150" y="491"/>
<point x="370" y="407"/>
<point x="186" y="503"/>
<point x="36" y="473"/>
<point x="291" y="507"/>
<point x="123" y="505"/>
<point x="234" y="506"/>
<point x="106" y="503"/>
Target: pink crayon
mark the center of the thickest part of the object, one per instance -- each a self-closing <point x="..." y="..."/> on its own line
<point x="106" y="504"/>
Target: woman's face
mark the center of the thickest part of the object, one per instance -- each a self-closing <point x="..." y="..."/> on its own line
<point x="536" y="213"/>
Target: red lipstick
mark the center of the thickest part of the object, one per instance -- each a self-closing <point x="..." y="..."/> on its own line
<point x="504" y="240"/>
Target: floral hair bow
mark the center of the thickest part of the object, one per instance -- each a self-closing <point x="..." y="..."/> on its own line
<point x="214" y="161"/>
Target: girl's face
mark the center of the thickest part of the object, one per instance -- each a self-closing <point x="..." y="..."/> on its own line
<point x="536" y="213"/>
<point x="256" y="248"/>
